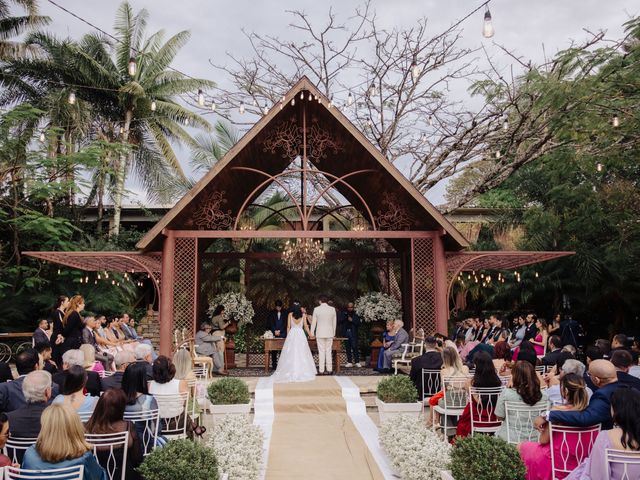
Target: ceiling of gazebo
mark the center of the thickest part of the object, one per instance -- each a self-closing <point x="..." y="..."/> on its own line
<point x="360" y="173"/>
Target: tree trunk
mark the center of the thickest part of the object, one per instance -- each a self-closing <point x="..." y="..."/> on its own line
<point x="121" y="173"/>
<point x="102" y="174"/>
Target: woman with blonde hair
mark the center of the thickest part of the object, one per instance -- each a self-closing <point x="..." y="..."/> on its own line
<point x="184" y="366"/>
<point x="90" y="362"/>
<point x="451" y="367"/>
<point x="72" y="324"/>
<point x="61" y="444"/>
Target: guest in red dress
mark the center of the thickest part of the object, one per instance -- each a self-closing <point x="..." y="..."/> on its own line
<point x="4" y="434"/>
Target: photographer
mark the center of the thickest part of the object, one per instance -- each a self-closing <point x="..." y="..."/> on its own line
<point x="349" y="323"/>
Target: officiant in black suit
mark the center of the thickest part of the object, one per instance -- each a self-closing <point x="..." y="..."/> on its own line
<point x="277" y="323"/>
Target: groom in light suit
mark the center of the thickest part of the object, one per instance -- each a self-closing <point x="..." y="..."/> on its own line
<point x="323" y="329"/>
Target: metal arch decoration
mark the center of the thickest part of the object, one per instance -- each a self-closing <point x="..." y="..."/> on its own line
<point x="393" y="216"/>
<point x="289" y="137"/>
<point x="319" y="141"/>
<point x="274" y="212"/>
<point x="304" y="216"/>
<point x="210" y="216"/>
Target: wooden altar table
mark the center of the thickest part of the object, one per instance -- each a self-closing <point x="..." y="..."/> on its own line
<point x="276" y="344"/>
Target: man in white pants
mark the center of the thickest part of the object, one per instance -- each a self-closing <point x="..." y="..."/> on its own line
<point x="323" y="329"/>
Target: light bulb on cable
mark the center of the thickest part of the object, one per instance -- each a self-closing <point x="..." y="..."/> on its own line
<point x="505" y="125"/>
<point x="42" y="137"/>
<point x="241" y="107"/>
<point x="301" y="95"/>
<point x="213" y="106"/>
<point x="423" y="137"/>
<point x="200" y="98"/>
<point x="430" y="120"/>
<point x="372" y="90"/>
<point x="72" y="98"/>
<point x="186" y="122"/>
<point x="498" y="154"/>
<point x="487" y="28"/>
<point x="616" y="121"/>
<point x="599" y="167"/>
<point x="415" y="69"/>
<point x="121" y="130"/>
<point x="265" y="109"/>
<point x="153" y="106"/>
<point x="350" y="99"/>
<point x="132" y="67"/>
<point x="293" y="102"/>
<point x="330" y="102"/>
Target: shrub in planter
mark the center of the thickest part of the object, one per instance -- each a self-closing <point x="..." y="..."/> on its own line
<point x="237" y="444"/>
<point x="397" y="389"/>
<point x="228" y="391"/>
<point x="483" y="457"/>
<point x="181" y="459"/>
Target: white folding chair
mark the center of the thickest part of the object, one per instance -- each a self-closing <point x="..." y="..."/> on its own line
<point x="173" y="414"/>
<point x="519" y="418"/>
<point x="110" y="450"/>
<point x="68" y="473"/>
<point x="146" y="423"/>
<point x="85" y="416"/>
<point x="455" y="399"/>
<point x="482" y="405"/>
<point x="16" y="446"/>
<point x="411" y="351"/>
<point x="430" y="383"/>
<point x="625" y="464"/>
<point x="569" y="447"/>
<point x="201" y="371"/>
<point x="108" y="373"/>
<point x="541" y="369"/>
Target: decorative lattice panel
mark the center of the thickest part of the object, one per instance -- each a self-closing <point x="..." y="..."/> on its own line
<point x="184" y="287"/>
<point x="424" y="299"/>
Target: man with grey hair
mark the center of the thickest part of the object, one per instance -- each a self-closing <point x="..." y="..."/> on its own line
<point x="553" y="381"/>
<point x="122" y="360"/>
<point x="400" y="337"/>
<point x="25" y="421"/>
<point x="144" y="354"/>
<point x="76" y="357"/>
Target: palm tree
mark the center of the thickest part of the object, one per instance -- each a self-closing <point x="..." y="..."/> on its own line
<point x="12" y="26"/>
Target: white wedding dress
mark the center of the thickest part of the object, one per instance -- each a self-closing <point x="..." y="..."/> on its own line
<point x="296" y="361"/>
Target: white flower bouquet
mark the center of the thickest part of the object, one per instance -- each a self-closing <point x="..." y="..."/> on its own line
<point x="378" y="307"/>
<point x="238" y="447"/>
<point x="417" y="452"/>
<point x="267" y="334"/>
<point x="236" y="307"/>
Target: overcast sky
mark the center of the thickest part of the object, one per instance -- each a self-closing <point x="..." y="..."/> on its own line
<point x="524" y="26"/>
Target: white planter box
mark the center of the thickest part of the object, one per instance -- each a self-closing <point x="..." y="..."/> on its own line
<point x="390" y="410"/>
<point x="219" y="411"/>
<point x="446" y="475"/>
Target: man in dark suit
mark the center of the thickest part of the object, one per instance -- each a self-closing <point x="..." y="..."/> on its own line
<point x="76" y="357"/>
<point x="5" y="372"/>
<point x="41" y="334"/>
<point x="277" y="323"/>
<point x="623" y="360"/>
<point x="25" y="421"/>
<point x="431" y="359"/>
<point x="11" y="396"/>
<point x="531" y="330"/>
<point x="554" y="351"/>
<point x="349" y="323"/>
<point x="123" y="359"/>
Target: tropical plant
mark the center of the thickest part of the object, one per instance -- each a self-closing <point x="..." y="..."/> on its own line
<point x="12" y="26"/>
<point x="397" y="389"/>
<point x="484" y="457"/>
<point x="228" y="391"/>
<point x="182" y="459"/>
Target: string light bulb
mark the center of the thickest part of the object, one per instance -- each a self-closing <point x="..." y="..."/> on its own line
<point x="186" y="122"/>
<point x="153" y="106"/>
<point x="330" y="105"/>
<point x="616" y="121"/>
<point x="213" y="106"/>
<point x="301" y="95"/>
<point x="132" y="67"/>
<point x="72" y="98"/>
<point x="599" y="167"/>
<point x="423" y="137"/>
<point x="121" y="130"/>
<point x="415" y="69"/>
<point x="498" y="154"/>
<point x="430" y="121"/>
<point x="265" y="109"/>
<point x="505" y="125"/>
<point x="350" y="99"/>
<point x="487" y="29"/>
<point x="200" y="98"/>
<point x="372" y="90"/>
<point x="293" y="102"/>
<point x="42" y="137"/>
<point x="241" y="107"/>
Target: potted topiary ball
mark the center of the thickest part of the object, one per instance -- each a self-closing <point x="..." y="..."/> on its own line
<point x="397" y="395"/>
<point x="484" y="457"/>
<point x="229" y="396"/>
<point x="181" y="459"/>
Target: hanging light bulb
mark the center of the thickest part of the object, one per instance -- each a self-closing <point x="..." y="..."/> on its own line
<point x="415" y="69"/>
<point x="599" y="167"/>
<point x="487" y="29"/>
<point x="95" y="282"/>
<point x="186" y="122"/>
<point x="293" y="102"/>
<point x="330" y="102"/>
<point x="616" y="121"/>
<point x="265" y="109"/>
<point x="58" y="271"/>
<point x="350" y="99"/>
<point x="505" y="124"/>
<point x="99" y="278"/>
<point x="241" y="107"/>
<point x="153" y="105"/>
<point x="369" y="123"/>
<point x="86" y="279"/>
<point x="72" y="98"/>
<point x="372" y="90"/>
<point x="213" y="106"/>
<point x="301" y="95"/>
<point x="42" y="137"/>
<point x="430" y="120"/>
<point x="536" y="274"/>
<point x="132" y="67"/>
<point x="106" y="274"/>
<point x="200" y="98"/>
<point x="498" y="154"/>
<point x="121" y="130"/>
<point x="423" y="137"/>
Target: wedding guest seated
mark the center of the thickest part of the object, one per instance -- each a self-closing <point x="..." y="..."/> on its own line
<point x="624" y="436"/>
<point x="482" y="409"/>
<point x="122" y="360"/>
<point x="108" y="418"/>
<point x="604" y="346"/>
<point x="129" y="327"/>
<point x="61" y="444"/>
<point x="603" y="374"/>
<point x="102" y="339"/>
<point x="452" y="367"/>
<point x="45" y="351"/>
<point x="526" y="353"/>
<point x="4" y="435"/>
<point x="42" y="333"/>
<point x="90" y="362"/>
<point x="622" y="360"/>
<point x="72" y="393"/>
<point x="537" y="455"/>
<point x="144" y="354"/>
<point x="553" y="350"/>
<point x="525" y="389"/>
<point x="591" y="353"/>
<point x="72" y="358"/>
<point x="184" y="366"/>
<point x="553" y="379"/>
<point x="502" y="358"/>
<point x="401" y="337"/>
<point x="206" y="344"/>
<point x="89" y="337"/>
<point x="25" y="421"/>
<point x="5" y="372"/>
<point x="431" y="359"/>
<point x="388" y="337"/>
<point x="619" y="342"/>
<point x="164" y="382"/>
<point x="11" y="395"/>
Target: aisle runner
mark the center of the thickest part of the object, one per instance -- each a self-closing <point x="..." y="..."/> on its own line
<point x="314" y="438"/>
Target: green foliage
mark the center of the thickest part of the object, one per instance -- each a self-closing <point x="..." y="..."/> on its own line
<point x="397" y="389"/>
<point x="249" y="337"/>
<point x="228" y="391"/>
<point x="183" y="459"/>
<point x="485" y="457"/>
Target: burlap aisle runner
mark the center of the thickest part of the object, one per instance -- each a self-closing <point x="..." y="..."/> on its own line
<point x="313" y="436"/>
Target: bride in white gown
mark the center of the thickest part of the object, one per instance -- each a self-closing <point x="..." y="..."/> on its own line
<point x="296" y="361"/>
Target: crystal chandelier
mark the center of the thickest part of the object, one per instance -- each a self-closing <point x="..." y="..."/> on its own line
<point x="303" y="254"/>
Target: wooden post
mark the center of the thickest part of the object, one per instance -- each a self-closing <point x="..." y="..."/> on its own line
<point x="166" y="294"/>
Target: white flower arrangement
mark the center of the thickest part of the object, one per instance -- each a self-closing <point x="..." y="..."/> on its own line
<point x="236" y="307"/>
<point x="238" y="447"/>
<point x="378" y="307"/>
<point x="416" y="451"/>
<point x="267" y="334"/>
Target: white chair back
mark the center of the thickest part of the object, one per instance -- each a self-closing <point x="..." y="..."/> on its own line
<point x="456" y="395"/>
<point x="146" y="423"/>
<point x="110" y="450"/>
<point x="108" y="373"/>
<point x="430" y="383"/>
<point x="85" y="416"/>
<point x="68" y="473"/>
<point x="173" y="414"/>
<point x="15" y="448"/>
<point x="569" y="447"/>
<point x="541" y="369"/>
<point x="623" y="464"/>
<point x="201" y="371"/>
<point x="519" y="418"/>
<point x="483" y="402"/>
